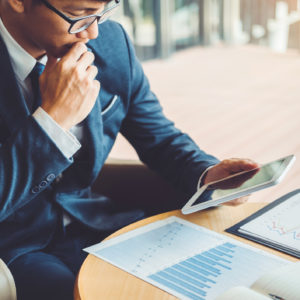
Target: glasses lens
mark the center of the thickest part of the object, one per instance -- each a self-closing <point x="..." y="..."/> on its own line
<point x="106" y="15"/>
<point x="83" y="24"/>
<point x="108" y="11"/>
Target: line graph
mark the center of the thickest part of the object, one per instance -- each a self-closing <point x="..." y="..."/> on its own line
<point x="294" y="232"/>
<point x="279" y="225"/>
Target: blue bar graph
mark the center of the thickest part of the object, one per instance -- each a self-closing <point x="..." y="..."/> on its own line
<point x="186" y="260"/>
<point x="197" y="264"/>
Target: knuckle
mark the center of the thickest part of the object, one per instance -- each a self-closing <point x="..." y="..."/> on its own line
<point x="97" y="84"/>
<point x="76" y="72"/>
<point x="63" y="66"/>
<point x="93" y="70"/>
<point x="92" y="55"/>
<point x="86" y="82"/>
<point x="79" y="49"/>
<point x="82" y="47"/>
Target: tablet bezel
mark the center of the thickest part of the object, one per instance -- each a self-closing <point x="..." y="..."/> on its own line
<point x="277" y="177"/>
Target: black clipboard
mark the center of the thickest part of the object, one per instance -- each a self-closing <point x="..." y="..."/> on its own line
<point x="234" y="229"/>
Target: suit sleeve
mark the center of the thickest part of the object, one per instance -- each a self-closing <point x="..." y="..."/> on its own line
<point x="157" y="141"/>
<point x="65" y="140"/>
<point x="29" y="163"/>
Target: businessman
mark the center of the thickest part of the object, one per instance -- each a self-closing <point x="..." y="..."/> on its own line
<point x="57" y="129"/>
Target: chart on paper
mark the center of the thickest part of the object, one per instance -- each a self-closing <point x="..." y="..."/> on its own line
<point x="186" y="260"/>
<point x="281" y="224"/>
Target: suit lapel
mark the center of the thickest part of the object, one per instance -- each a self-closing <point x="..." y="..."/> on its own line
<point x="89" y="160"/>
<point x="95" y="140"/>
<point x="93" y="153"/>
<point x="13" y="109"/>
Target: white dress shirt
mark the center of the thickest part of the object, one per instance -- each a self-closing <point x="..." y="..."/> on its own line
<point x="23" y="63"/>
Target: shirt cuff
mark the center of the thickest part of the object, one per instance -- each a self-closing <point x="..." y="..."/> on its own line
<point x="200" y="183"/>
<point x="64" y="140"/>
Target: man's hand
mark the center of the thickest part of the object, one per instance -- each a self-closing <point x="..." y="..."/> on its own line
<point x="68" y="87"/>
<point x="229" y="167"/>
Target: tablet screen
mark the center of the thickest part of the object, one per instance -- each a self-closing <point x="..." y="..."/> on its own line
<point x="242" y="181"/>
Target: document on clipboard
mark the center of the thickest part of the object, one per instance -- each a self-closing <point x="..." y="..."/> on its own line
<point x="277" y="225"/>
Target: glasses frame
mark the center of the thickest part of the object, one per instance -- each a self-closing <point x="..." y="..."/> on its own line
<point x="72" y="21"/>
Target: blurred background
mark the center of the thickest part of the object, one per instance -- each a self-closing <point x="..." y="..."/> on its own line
<point x="159" y="28"/>
<point x="226" y="72"/>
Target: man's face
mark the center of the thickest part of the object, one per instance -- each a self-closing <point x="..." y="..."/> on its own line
<point x="45" y="31"/>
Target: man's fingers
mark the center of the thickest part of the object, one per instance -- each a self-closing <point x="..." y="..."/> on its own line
<point x="97" y="86"/>
<point x="236" y="202"/>
<point x="86" y="60"/>
<point x="229" y="167"/>
<point x="235" y="165"/>
<point x="75" y="52"/>
<point x="92" y="72"/>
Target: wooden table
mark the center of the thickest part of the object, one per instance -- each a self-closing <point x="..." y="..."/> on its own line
<point x="98" y="279"/>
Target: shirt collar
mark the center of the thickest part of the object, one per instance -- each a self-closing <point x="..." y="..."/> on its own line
<point x="22" y="61"/>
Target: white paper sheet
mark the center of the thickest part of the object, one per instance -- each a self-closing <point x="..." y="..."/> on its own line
<point x="185" y="259"/>
<point x="280" y="224"/>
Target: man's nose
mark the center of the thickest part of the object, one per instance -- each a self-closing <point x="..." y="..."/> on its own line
<point x="90" y="33"/>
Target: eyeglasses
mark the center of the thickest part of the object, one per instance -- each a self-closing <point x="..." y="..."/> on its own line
<point x="82" y="23"/>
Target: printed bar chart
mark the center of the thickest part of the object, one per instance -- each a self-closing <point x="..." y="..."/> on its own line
<point x="186" y="260"/>
<point x="195" y="276"/>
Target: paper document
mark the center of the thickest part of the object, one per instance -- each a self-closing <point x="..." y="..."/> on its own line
<point x="185" y="259"/>
<point x="280" y="225"/>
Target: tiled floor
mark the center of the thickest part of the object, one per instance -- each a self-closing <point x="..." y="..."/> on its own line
<point x="234" y="102"/>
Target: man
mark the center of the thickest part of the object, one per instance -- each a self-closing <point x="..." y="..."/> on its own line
<point x="54" y="144"/>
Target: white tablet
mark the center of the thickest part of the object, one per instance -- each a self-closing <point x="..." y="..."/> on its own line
<point x="238" y="185"/>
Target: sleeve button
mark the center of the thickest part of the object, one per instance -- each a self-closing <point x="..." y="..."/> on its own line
<point x="43" y="184"/>
<point x="50" y="177"/>
<point x="35" y="190"/>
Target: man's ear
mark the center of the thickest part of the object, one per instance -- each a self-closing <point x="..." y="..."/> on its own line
<point x="16" y="5"/>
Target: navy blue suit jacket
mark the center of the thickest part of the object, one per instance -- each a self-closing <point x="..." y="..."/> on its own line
<point x="32" y="201"/>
